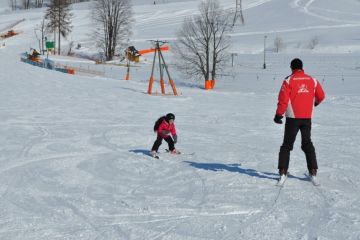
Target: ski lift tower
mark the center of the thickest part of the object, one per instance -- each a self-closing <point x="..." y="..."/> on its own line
<point x="238" y="13"/>
<point x="162" y="64"/>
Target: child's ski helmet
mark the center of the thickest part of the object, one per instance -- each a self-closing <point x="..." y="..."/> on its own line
<point x="169" y="116"/>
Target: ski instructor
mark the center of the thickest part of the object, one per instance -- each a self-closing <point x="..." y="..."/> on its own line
<point x="298" y="95"/>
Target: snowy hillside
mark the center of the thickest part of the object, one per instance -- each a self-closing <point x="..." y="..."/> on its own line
<point x="73" y="148"/>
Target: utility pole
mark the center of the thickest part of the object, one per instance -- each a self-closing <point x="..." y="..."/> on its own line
<point x="162" y="64"/>
<point x="127" y="76"/>
<point x="232" y="58"/>
<point x="238" y="13"/>
<point x="264" y="66"/>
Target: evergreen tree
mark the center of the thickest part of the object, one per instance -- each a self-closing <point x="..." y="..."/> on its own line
<point x="59" y="17"/>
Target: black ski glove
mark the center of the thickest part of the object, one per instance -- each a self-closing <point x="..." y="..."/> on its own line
<point x="175" y="138"/>
<point x="277" y="119"/>
<point x="316" y="104"/>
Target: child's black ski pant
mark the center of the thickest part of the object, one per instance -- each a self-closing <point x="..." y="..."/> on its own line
<point x="158" y="142"/>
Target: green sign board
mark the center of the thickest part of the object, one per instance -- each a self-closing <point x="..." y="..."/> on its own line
<point x="50" y="45"/>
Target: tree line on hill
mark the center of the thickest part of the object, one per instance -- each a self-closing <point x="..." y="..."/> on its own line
<point x="202" y="41"/>
<point x="27" y="4"/>
<point x="201" y="47"/>
<point x="111" y="21"/>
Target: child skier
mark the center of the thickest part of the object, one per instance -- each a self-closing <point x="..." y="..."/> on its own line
<point x="165" y="128"/>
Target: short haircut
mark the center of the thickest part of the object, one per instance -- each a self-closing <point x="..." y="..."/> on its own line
<point x="296" y="64"/>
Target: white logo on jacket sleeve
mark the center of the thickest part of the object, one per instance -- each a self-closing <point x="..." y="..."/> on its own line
<point x="303" y="88"/>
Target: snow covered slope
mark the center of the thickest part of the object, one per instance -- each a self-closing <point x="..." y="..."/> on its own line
<point x="73" y="161"/>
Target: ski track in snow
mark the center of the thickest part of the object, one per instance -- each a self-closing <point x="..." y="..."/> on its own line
<point x="305" y="8"/>
<point x="33" y="141"/>
<point x="322" y="213"/>
<point x="291" y="30"/>
<point x="150" y="21"/>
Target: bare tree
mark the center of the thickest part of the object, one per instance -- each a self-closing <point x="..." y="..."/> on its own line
<point x="278" y="44"/>
<point x="77" y="1"/>
<point x="39" y="3"/>
<point x="70" y="48"/>
<point x="113" y="24"/>
<point x="40" y="31"/>
<point x="12" y="4"/>
<point x="202" y="41"/>
<point x="26" y="4"/>
<point x="313" y="42"/>
<point x="59" y="18"/>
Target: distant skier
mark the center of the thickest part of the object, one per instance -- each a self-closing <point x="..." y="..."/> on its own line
<point x="165" y="129"/>
<point x="35" y="53"/>
<point x="298" y="95"/>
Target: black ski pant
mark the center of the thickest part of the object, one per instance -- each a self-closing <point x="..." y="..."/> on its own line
<point x="158" y="142"/>
<point x="292" y="127"/>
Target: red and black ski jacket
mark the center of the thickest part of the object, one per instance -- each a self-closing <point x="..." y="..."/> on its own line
<point x="298" y="94"/>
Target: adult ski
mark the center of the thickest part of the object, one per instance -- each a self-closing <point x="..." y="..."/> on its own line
<point x="282" y="180"/>
<point x="313" y="179"/>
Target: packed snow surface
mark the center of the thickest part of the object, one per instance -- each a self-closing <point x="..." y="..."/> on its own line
<point x="73" y="148"/>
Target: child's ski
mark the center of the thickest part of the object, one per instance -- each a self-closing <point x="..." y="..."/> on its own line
<point x="154" y="155"/>
<point x="180" y="153"/>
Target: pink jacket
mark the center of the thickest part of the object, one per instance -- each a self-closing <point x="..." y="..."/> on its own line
<point x="167" y="127"/>
<point x="298" y="94"/>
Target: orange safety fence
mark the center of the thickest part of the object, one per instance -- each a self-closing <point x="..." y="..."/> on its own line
<point x="71" y="71"/>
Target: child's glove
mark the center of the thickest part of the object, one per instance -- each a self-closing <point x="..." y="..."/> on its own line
<point x="175" y="138"/>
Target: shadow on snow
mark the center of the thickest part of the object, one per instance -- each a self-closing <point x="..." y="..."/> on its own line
<point x="238" y="169"/>
<point x="145" y="152"/>
<point x="227" y="167"/>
